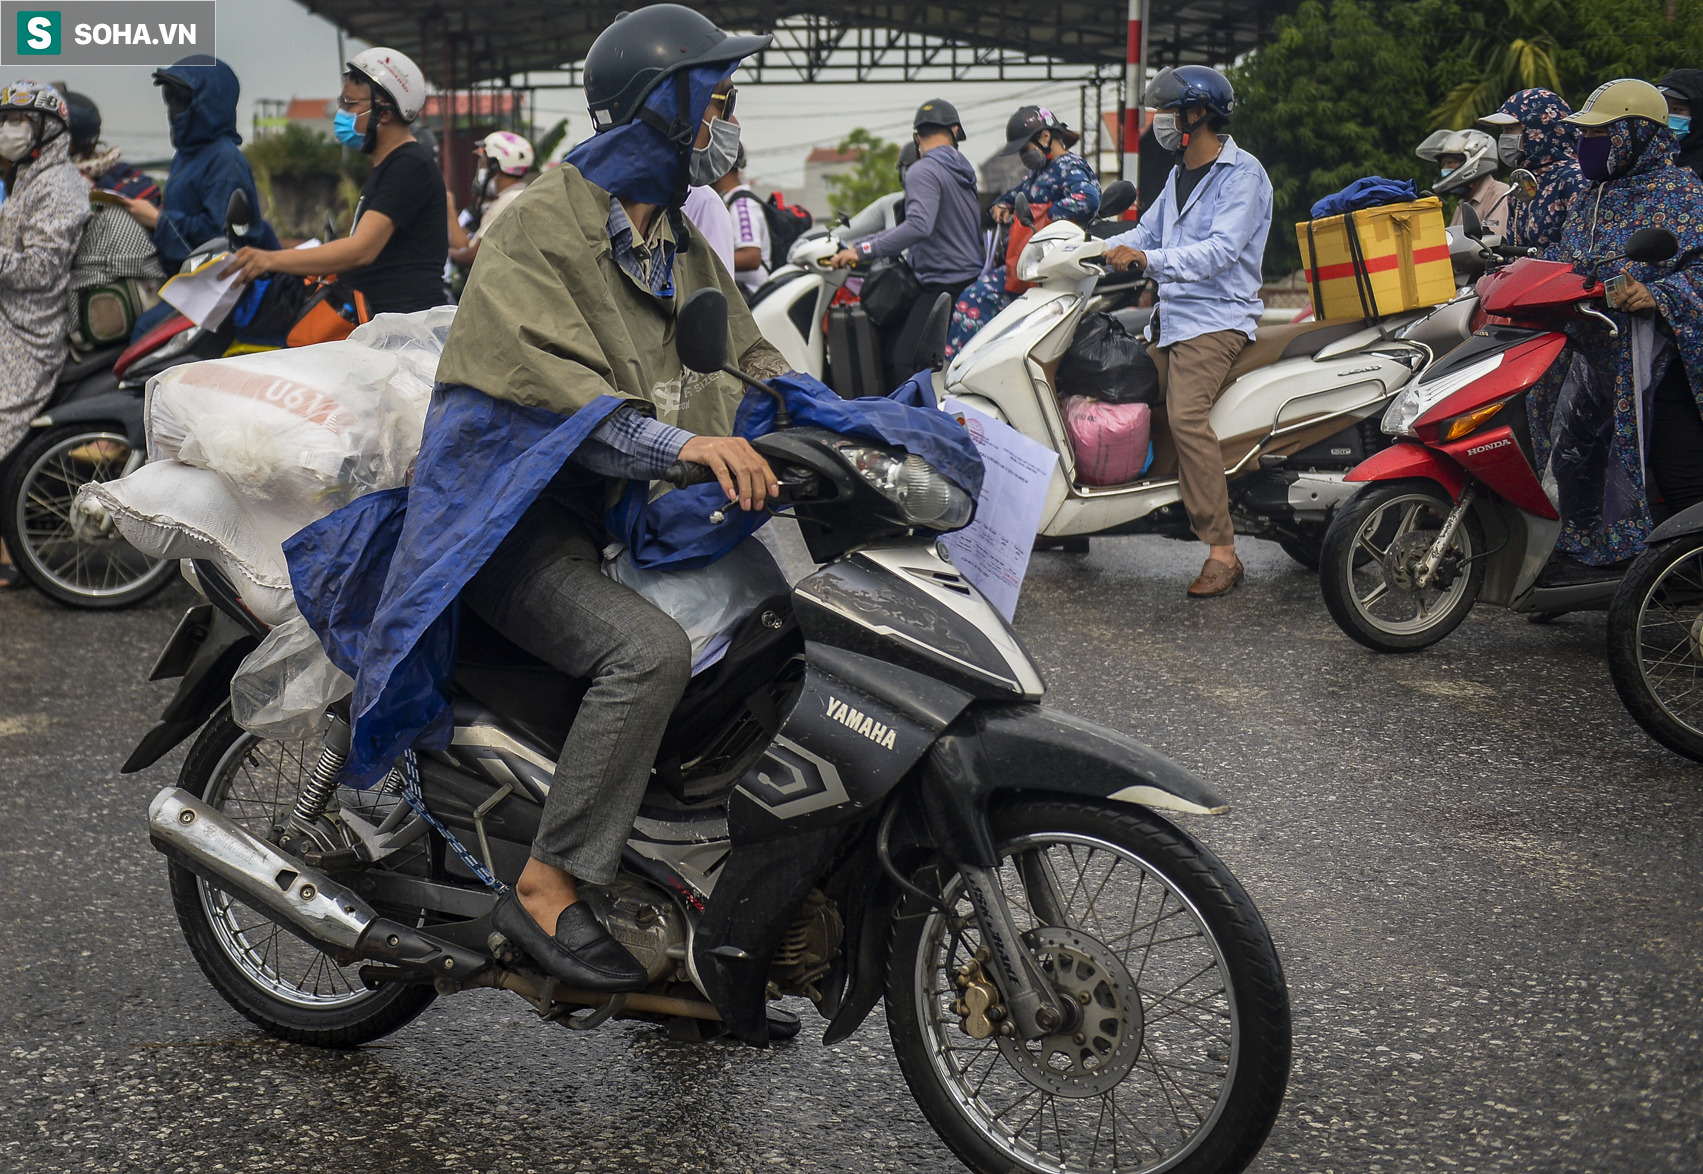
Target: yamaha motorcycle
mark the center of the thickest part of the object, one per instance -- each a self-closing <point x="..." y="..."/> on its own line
<point x="865" y="799"/>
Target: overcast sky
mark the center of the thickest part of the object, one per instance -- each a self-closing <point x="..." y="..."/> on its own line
<point x="280" y="50"/>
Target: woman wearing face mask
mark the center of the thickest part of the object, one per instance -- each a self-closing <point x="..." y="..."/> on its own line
<point x="1682" y="89"/>
<point x="41" y="223"/>
<point x="1627" y="432"/>
<point x="1530" y="134"/>
<point x="394" y="254"/>
<point x="1058" y="178"/>
<point x="504" y="159"/>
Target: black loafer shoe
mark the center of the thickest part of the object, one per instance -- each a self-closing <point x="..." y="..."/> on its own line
<point x="580" y="954"/>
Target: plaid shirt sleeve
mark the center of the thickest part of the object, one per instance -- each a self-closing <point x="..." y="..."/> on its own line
<point x="631" y="445"/>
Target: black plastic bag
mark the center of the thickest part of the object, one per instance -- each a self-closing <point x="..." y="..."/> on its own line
<point x="889" y="292"/>
<point x="1108" y="363"/>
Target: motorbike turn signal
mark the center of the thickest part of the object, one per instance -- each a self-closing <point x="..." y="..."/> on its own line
<point x="1461" y="425"/>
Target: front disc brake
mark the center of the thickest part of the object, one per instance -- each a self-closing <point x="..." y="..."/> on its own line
<point x="1100" y="1042"/>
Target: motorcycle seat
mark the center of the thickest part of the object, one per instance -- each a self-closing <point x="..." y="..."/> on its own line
<point x="1272" y="344"/>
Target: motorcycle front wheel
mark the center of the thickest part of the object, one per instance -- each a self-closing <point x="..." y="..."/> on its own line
<point x="1369" y="567"/>
<point x="1179" y="1056"/>
<point x="77" y="563"/>
<point x="1655" y="644"/>
<point x="280" y="983"/>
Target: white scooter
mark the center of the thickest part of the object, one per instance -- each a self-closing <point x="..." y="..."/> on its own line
<point x="790" y="308"/>
<point x="1300" y="406"/>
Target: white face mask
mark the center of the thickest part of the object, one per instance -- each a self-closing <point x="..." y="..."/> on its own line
<point x="1166" y="130"/>
<point x="1509" y="145"/>
<point x="716" y="159"/>
<point x="16" y="139"/>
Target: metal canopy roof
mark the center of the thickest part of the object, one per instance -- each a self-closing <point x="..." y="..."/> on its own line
<point x="462" y="42"/>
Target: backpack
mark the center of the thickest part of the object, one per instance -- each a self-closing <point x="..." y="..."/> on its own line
<point x="787" y="222"/>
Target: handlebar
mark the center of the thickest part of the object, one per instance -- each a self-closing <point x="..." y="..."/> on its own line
<point x="683" y="473"/>
<point x="1511" y="252"/>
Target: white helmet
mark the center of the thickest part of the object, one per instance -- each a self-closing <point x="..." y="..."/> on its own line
<point x="396" y="75"/>
<point x="508" y="152"/>
<point x="1476" y="147"/>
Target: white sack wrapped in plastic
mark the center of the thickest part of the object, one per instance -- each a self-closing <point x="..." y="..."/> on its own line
<point x="312" y="428"/>
<point x="710" y="601"/>
<point x="281" y="689"/>
<point x="172" y="510"/>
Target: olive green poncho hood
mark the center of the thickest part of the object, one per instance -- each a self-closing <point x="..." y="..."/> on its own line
<point x="551" y="320"/>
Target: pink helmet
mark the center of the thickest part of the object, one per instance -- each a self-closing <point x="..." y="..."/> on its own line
<point x="508" y="152"/>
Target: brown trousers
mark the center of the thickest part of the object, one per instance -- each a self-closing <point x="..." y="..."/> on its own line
<point x="1194" y="376"/>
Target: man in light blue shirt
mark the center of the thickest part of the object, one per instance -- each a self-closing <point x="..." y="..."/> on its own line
<point x="1203" y="240"/>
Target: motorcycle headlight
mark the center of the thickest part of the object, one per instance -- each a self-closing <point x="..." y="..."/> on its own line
<point x="1029" y="260"/>
<point x="923" y="496"/>
<point x="1426" y="393"/>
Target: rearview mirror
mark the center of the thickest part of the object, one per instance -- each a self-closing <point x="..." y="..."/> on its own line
<point x="1651" y="245"/>
<point x="1117" y="199"/>
<point x="1471" y="225"/>
<point x="1020" y="207"/>
<point x="700" y="335"/>
<point x="1524" y="184"/>
<point x="237" y="216"/>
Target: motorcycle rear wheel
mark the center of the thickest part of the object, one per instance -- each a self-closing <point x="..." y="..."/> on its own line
<point x="1181" y="1057"/>
<point x="96" y="571"/>
<point x="1374" y="544"/>
<point x="286" y="987"/>
<point x="1655" y="644"/>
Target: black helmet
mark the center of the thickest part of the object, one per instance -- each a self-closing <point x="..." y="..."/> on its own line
<point x="85" y="121"/>
<point x="938" y="112"/>
<point x="1031" y="121"/>
<point x="642" y="48"/>
<point x="1192" y="85"/>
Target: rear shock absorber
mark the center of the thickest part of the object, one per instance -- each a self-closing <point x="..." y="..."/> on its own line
<point x="316" y="792"/>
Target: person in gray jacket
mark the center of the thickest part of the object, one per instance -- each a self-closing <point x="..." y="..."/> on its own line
<point x="942" y="226"/>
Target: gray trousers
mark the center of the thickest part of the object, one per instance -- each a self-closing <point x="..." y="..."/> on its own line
<point x="544" y="590"/>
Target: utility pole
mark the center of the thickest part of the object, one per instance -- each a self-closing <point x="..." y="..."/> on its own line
<point x="1135" y="89"/>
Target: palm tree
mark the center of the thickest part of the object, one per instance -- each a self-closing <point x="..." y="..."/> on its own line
<point x="1517" y="52"/>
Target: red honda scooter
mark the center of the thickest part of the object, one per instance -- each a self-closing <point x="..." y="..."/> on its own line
<point x="1454" y="513"/>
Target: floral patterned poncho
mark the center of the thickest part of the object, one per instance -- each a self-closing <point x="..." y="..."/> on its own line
<point x="1593" y="438"/>
<point x="1068" y="184"/>
<point x="1547" y="150"/>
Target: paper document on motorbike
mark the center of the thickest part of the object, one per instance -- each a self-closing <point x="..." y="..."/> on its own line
<point x="993" y="551"/>
<point x="204" y="295"/>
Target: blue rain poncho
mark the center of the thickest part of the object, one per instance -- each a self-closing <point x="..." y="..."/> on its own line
<point x="378" y="579"/>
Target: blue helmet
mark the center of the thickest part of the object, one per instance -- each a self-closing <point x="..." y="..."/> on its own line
<point x="1192" y="85"/>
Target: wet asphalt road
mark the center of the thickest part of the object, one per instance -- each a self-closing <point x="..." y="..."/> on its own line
<point x="1481" y="876"/>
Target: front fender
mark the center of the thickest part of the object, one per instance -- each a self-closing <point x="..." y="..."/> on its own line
<point x="1405" y="460"/>
<point x="1686" y="522"/>
<point x="120" y="407"/>
<point x="1024" y="747"/>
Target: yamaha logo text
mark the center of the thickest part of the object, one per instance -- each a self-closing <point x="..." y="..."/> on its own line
<point x="861" y="723"/>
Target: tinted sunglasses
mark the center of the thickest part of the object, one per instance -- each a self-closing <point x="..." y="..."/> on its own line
<point x="727" y="99"/>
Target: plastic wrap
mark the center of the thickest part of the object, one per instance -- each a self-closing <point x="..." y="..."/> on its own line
<point x="711" y="601"/>
<point x="1111" y="441"/>
<point x="308" y="429"/>
<point x="172" y="510"/>
<point x="281" y="689"/>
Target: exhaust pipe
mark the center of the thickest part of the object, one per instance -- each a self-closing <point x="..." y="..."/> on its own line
<point x="301" y="899"/>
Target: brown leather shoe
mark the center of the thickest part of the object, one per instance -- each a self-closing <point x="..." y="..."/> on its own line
<point x="1216" y="578"/>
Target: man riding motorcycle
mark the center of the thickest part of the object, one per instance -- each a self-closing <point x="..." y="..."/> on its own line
<point x="1466" y="160"/>
<point x="560" y="398"/>
<point x="1203" y="239"/>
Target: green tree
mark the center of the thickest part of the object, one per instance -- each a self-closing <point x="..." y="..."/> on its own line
<point x="551" y="140"/>
<point x="875" y="174"/>
<point x="1513" y="47"/>
<point x="1340" y="92"/>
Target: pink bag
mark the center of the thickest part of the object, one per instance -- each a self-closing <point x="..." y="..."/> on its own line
<point x="1110" y="439"/>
